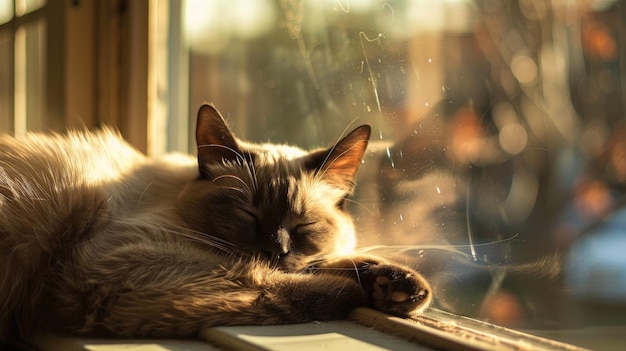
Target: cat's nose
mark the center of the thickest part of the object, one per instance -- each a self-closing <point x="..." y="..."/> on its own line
<point x="279" y="245"/>
<point x="275" y="254"/>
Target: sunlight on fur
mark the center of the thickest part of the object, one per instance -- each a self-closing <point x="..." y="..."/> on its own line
<point x="101" y="240"/>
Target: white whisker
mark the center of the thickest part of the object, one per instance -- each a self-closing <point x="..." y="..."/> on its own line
<point x="223" y="147"/>
<point x="234" y="188"/>
<point x="321" y="175"/>
<point x="231" y="176"/>
<point x="204" y="238"/>
<point x="142" y="194"/>
<point x="361" y="205"/>
<point x="356" y="271"/>
<point x="337" y="142"/>
<point x="252" y="171"/>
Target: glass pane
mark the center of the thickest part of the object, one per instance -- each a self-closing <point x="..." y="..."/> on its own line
<point x="30" y="79"/>
<point x="6" y="11"/>
<point x="497" y="163"/>
<point x="6" y="83"/>
<point x="23" y="7"/>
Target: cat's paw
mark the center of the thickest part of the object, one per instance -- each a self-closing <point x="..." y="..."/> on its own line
<point x="395" y="290"/>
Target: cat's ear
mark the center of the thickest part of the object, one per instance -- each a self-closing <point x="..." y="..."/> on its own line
<point x="215" y="140"/>
<point x="340" y="162"/>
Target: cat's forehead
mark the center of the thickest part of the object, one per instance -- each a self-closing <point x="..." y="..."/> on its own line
<point x="272" y="153"/>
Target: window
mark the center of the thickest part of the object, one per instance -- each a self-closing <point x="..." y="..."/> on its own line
<point x="497" y="164"/>
<point x="23" y="39"/>
<point x="497" y="159"/>
<point x="74" y="64"/>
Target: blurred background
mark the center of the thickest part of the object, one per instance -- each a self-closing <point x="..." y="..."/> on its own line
<point x="497" y="165"/>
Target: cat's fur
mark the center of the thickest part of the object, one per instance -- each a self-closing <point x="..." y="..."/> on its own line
<point x="96" y="238"/>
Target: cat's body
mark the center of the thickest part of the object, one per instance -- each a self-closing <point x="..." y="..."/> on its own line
<point x="96" y="238"/>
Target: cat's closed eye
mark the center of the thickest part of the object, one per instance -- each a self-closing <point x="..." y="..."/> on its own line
<point x="250" y="220"/>
<point x="341" y="204"/>
<point x="304" y="228"/>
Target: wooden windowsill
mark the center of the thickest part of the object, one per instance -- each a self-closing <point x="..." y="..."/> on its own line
<point x="365" y="330"/>
<point x="447" y="331"/>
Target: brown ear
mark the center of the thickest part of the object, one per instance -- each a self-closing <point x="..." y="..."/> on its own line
<point x="215" y="140"/>
<point x="340" y="162"/>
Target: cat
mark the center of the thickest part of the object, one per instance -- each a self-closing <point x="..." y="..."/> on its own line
<point x="98" y="239"/>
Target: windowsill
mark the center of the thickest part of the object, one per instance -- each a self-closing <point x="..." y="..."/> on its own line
<point x="365" y="330"/>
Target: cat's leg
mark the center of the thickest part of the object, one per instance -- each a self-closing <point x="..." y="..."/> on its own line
<point x="167" y="291"/>
<point x="390" y="287"/>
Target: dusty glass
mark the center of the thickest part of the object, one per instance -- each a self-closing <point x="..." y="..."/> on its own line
<point x="497" y="163"/>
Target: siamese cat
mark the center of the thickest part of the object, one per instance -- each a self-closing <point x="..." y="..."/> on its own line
<point x="98" y="239"/>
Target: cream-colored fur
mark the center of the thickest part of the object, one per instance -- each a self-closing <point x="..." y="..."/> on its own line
<point x="96" y="238"/>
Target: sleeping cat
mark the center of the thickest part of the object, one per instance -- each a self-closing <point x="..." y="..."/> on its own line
<point x="97" y="239"/>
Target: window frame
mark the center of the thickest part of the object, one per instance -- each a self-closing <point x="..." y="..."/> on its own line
<point x="109" y="72"/>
